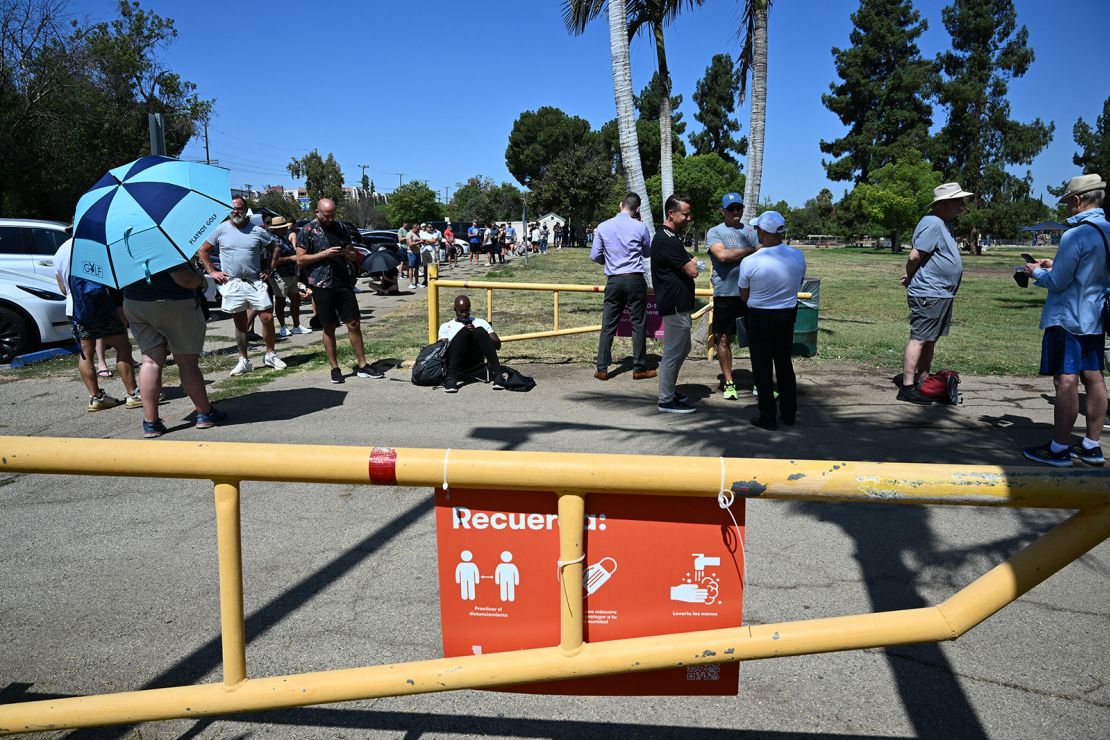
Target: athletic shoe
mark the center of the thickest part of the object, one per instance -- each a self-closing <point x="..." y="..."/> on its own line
<point x="133" y="401"/>
<point x="272" y="360"/>
<point x="450" y="385"/>
<point x="211" y="418"/>
<point x="284" y="332"/>
<point x="676" y="406"/>
<point x="243" y="366"/>
<point x="368" y="372"/>
<point x="913" y="394"/>
<point x="152" y="429"/>
<point x="102" y="401"/>
<point x="681" y="397"/>
<point x="1044" y="454"/>
<point x="730" y="391"/>
<point x="301" y="330"/>
<point x="336" y="375"/>
<point x="1091" y="456"/>
<point x="498" y="380"/>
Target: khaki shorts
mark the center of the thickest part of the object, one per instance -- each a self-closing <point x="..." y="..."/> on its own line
<point x="284" y="286"/>
<point x="178" y="324"/>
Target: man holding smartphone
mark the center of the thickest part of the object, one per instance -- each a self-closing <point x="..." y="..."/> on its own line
<point x="472" y="346"/>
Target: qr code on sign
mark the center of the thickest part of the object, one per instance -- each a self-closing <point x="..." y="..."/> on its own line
<point x="703" y="672"/>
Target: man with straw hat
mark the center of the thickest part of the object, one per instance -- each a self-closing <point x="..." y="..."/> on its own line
<point x="933" y="272"/>
<point x="1072" y="348"/>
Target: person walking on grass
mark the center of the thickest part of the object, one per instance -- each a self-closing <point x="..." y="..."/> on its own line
<point x="242" y="285"/>
<point x="673" y="270"/>
<point x="1072" y="348"/>
<point x="324" y="251"/>
<point x="933" y="273"/>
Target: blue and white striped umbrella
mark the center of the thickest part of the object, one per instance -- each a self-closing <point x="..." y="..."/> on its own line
<point x="145" y="217"/>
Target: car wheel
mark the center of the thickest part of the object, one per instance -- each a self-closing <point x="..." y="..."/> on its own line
<point x="15" y="334"/>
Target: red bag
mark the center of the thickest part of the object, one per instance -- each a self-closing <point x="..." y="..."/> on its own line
<point x="944" y="386"/>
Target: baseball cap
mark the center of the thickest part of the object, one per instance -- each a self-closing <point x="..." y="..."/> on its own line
<point x="770" y="221"/>
<point x="730" y="199"/>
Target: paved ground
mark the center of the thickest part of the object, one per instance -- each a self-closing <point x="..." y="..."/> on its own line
<point x="110" y="584"/>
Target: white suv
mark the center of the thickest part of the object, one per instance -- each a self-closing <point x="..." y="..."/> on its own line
<point x="31" y="309"/>
<point x="28" y="245"/>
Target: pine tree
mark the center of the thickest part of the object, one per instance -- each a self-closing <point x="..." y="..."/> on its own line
<point x="648" y="103"/>
<point x="716" y="95"/>
<point x="882" y="94"/>
<point x="1094" y="144"/>
<point x="979" y="139"/>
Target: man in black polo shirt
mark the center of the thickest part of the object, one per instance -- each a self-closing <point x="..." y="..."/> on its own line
<point x="673" y="270"/>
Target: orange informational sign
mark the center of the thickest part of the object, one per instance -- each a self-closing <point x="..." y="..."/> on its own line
<point x="654" y="565"/>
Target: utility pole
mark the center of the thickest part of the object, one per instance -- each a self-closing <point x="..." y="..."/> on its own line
<point x="207" y="158"/>
<point x="400" y="178"/>
<point x="157" y="134"/>
<point x="247" y="185"/>
<point x="363" y="168"/>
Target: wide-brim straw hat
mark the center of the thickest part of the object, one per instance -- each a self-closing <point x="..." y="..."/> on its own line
<point x="279" y="222"/>
<point x="949" y="191"/>
<point x="1083" y="184"/>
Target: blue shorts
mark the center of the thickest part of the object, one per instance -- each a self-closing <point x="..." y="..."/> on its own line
<point x="414" y="259"/>
<point x="1064" y="353"/>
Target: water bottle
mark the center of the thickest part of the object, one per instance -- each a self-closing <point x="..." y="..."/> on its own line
<point x="701" y="266"/>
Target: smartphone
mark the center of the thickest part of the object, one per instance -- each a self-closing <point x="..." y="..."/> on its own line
<point x="1028" y="257"/>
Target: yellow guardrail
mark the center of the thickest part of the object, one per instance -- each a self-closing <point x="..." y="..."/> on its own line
<point x="571" y="476"/>
<point x="435" y="283"/>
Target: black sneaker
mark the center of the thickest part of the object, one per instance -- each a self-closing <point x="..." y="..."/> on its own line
<point x="913" y="394"/>
<point x="1044" y="454"/>
<point x="450" y="385"/>
<point x="682" y="398"/>
<point x="675" y="406"/>
<point x="768" y="424"/>
<point x="1089" y="455"/>
<point x="368" y="372"/>
<point x="336" y="375"/>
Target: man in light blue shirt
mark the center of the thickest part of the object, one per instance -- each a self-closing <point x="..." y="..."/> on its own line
<point x="727" y="243"/>
<point x="933" y="272"/>
<point x="1072" y="348"/>
<point x="621" y="244"/>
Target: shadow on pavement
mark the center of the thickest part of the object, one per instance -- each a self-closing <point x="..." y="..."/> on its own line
<point x="279" y="405"/>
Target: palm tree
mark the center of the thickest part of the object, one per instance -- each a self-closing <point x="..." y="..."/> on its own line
<point x="637" y="14"/>
<point x="753" y="58"/>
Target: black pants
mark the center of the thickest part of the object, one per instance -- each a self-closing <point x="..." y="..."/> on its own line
<point x="471" y="348"/>
<point x="770" y="334"/>
<point x="620" y="291"/>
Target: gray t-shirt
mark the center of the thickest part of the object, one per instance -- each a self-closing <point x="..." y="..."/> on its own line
<point x="940" y="272"/>
<point x="240" y="248"/>
<point x="723" y="275"/>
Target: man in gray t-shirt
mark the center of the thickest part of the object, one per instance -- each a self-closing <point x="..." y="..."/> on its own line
<point x="727" y="243"/>
<point x="242" y="280"/>
<point x="933" y="272"/>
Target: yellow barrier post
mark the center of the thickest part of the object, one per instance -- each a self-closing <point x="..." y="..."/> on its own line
<point x="572" y="528"/>
<point x="555" y="299"/>
<point x="433" y="303"/>
<point x="230" y="555"/>
<point x="489" y="305"/>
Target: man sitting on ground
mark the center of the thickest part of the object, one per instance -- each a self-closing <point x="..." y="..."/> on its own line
<point x="472" y="347"/>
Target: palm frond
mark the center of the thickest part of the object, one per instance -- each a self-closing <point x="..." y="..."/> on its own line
<point x="577" y="14"/>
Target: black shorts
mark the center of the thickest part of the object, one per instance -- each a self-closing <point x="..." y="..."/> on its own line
<point x="108" y="326"/>
<point x="333" y="303"/>
<point x="726" y="310"/>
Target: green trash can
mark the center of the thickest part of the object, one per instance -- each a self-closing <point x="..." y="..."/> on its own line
<point x="805" y="325"/>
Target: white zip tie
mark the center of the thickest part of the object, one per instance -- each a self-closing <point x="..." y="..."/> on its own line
<point x="725" y="499"/>
<point x="560" y="564"/>
<point x="446" y="455"/>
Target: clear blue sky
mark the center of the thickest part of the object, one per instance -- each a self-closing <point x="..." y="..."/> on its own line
<point x="431" y="88"/>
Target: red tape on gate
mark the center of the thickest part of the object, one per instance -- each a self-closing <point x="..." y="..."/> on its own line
<point x="383" y="465"/>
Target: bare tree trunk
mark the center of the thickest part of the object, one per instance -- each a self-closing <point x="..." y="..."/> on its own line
<point x="758" y="111"/>
<point x="896" y="243"/>
<point x="626" y="120"/>
<point x="666" y="150"/>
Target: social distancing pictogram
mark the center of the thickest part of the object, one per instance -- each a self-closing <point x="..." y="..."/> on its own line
<point x="653" y="565"/>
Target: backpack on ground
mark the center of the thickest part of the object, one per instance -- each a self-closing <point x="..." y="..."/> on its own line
<point x="944" y="386"/>
<point x="514" y="380"/>
<point x="92" y="301"/>
<point x="430" y="367"/>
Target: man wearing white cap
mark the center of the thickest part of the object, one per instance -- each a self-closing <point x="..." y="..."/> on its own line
<point x="769" y="281"/>
<point x="1072" y="348"/>
<point x="933" y="273"/>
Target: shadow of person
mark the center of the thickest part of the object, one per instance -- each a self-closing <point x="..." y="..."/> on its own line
<point x="278" y="405"/>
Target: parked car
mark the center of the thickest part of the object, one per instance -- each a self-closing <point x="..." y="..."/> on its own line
<point x="27" y="246"/>
<point x="32" y="313"/>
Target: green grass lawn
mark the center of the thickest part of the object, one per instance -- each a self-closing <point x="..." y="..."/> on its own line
<point x="863" y="319"/>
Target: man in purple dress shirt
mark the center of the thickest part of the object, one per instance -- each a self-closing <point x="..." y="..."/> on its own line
<point x="621" y="243"/>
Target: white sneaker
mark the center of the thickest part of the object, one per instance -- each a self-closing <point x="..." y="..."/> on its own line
<point x="243" y="366"/>
<point x="301" y="330"/>
<point x="272" y="360"/>
<point x="284" y="332"/>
